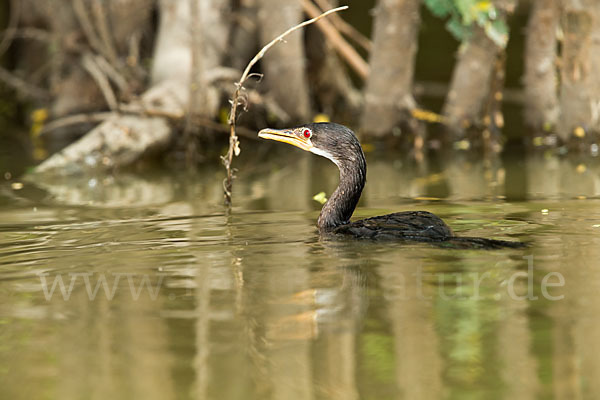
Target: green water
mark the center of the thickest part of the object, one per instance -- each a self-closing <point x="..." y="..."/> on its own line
<point x="254" y="305"/>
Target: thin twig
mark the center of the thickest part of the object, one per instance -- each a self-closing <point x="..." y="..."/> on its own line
<point x="22" y="87"/>
<point x="346" y="28"/>
<point x="279" y="38"/>
<point x="92" y="118"/>
<point x="87" y="26"/>
<point x="9" y="33"/>
<point x="112" y="73"/>
<point x="34" y="34"/>
<point x="358" y="64"/>
<point x="38" y="75"/>
<point x="139" y="108"/>
<point x="133" y="57"/>
<point x="90" y="65"/>
<point x="219" y="127"/>
<point x="222" y="74"/>
<point x="106" y="39"/>
<point x="76" y="120"/>
<point x="237" y="99"/>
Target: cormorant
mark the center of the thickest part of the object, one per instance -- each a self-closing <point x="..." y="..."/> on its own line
<point x="340" y="145"/>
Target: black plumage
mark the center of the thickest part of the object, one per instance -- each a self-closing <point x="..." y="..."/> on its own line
<point x="340" y="145"/>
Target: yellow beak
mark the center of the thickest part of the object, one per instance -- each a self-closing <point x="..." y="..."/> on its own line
<point x="286" y="137"/>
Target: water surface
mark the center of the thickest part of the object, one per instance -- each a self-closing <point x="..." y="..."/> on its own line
<point x="142" y="286"/>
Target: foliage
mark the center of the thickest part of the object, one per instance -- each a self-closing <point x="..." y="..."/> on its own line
<point x="462" y="14"/>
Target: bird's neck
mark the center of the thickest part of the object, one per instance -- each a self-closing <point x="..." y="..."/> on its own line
<point x="340" y="206"/>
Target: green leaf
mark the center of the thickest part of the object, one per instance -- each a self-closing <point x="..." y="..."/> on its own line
<point x="463" y="14"/>
<point x="458" y="30"/>
<point x="465" y="9"/>
<point x="439" y="8"/>
<point x="320" y="197"/>
<point x="498" y="32"/>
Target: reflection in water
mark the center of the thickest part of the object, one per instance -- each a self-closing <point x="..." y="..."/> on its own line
<point x="165" y="296"/>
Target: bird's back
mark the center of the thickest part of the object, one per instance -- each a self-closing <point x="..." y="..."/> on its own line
<point x="420" y="226"/>
<point x="415" y="225"/>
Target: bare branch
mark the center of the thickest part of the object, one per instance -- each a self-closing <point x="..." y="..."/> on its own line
<point x="107" y="41"/>
<point x="134" y="51"/>
<point x="234" y="148"/>
<point x="279" y="38"/>
<point x="87" y="26"/>
<point x="22" y="87"/>
<point x="34" y="34"/>
<point x="75" y="120"/>
<point x="9" y="33"/>
<point x="346" y="51"/>
<point x="92" y="118"/>
<point x="112" y="73"/>
<point x="94" y="70"/>
<point x="218" y="127"/>
<point x="346" y="28"/>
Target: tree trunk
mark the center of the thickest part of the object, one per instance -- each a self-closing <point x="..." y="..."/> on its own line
<point x="580" y="80"/>
<point x="388" y="93"/>
<point x="474" y="84"/>
<point x="470" y="84"/>
<point x="541" y="104"/>
<point x="284" y="65"/>
<point x="123" y="139"/>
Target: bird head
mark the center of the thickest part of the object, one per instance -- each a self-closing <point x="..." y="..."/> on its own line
<point x="327" y="139"/>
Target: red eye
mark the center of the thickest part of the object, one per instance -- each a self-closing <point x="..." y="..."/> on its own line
<point x="307" y="133"/>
